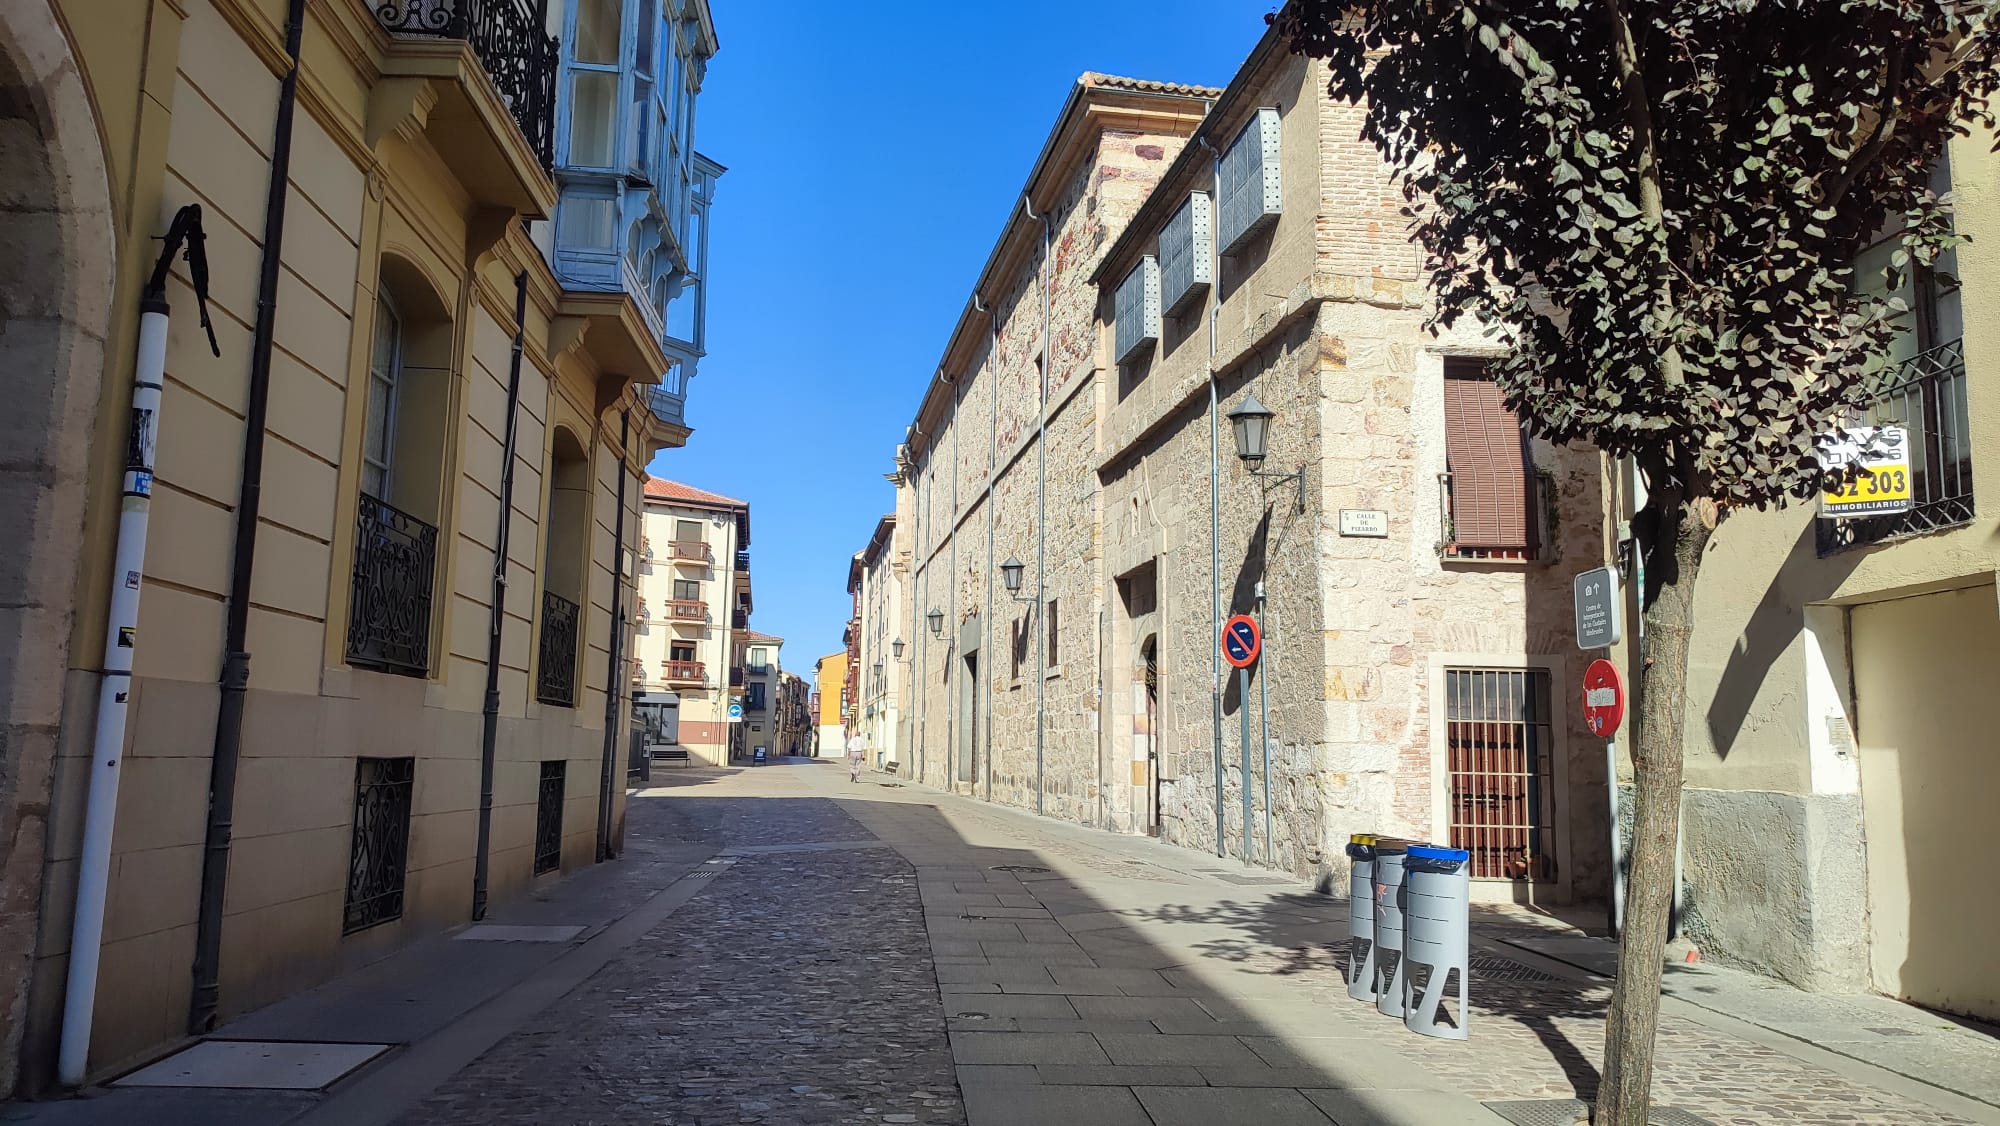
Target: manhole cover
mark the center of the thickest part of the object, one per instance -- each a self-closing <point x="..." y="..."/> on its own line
<point x="1026" y="868"/>
<point x="1564" y="1112"/>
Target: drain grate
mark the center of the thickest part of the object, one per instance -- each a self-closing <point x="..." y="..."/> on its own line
<point x="1486" y="967"/>
<point x="1565" y="1112"/>
<point x="1019" y="868"/>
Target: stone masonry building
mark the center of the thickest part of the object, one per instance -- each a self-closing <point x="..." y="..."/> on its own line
<point x="1411" y="577"/>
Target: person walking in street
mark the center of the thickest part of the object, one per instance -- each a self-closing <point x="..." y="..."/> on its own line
<point x="857" y="753"/>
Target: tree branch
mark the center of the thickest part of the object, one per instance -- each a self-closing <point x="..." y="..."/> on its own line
<point x="1652" y="201"/>
<point x="1884" y="133"/>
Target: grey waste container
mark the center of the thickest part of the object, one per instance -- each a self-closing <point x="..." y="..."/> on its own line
<point x="1361" y="917"/>
<point x="1387" y="887"/>
<point x="1436" y="939"/>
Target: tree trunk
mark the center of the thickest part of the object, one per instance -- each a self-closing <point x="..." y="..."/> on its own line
<point x="1624" y="1093"/>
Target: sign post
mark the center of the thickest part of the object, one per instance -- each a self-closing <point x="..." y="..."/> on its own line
<point x="1603" y="710"/>
<point x="1242" y="641"/>
<point x="1599" y="613"/>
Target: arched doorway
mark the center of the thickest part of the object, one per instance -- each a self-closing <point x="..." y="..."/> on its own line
<point x="56" y="258"/>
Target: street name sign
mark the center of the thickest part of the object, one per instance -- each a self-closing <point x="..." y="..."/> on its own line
<point x="1368" y="522"/>
<point x="1598" y="624"/>
<point x="1884" y="453"/>
<point x="1241" y="641"/>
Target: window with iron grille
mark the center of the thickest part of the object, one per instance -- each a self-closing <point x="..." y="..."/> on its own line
<point x="548" y="817"/>
<point x="1248" y="193"/>
<point x="1490" y="489"/>
<point x="1919" y="385"/>
<point x="378" y="856"/>
<point x="1500" y="753"/>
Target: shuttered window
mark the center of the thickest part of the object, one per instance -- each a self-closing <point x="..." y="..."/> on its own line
<point x="1136" y="310"/>
<point x="1489" y="488"/>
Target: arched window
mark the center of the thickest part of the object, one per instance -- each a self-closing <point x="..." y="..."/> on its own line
<point x="405" y="420"/>
<point x="565" y="548"/>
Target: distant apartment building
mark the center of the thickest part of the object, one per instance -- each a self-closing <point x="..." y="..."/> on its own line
<point x="830" y="705"/>
<point x="876" y="579"/>
<point x="794" y="715"/>
<point x="693" y="617"/>
<point x="758" y="667"/>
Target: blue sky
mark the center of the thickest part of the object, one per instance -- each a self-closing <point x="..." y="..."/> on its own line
<point x="873" y="150"/>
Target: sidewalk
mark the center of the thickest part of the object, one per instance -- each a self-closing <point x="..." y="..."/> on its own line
<point x="780" y="946"/>
<point x="1735" y="1049"/>
<point x="409" y="1021"/>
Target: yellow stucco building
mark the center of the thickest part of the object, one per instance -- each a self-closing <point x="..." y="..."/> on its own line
<point x="414" y="288"/>
<point x="1841" y="681"/>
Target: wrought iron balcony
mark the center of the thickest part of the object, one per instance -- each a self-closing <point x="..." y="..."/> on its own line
<point x="692" y="551"/>
<point x="684" y="672"/>
<point x="736" y="676"/>
<point x="1925" y="395"/>
<point x="743" y="562"/>
<point x="739" y="620"/>
<point x="555" y="676"/>
<point x="516" y="53"/>
<point x="389" y="610"/>
<point x="687" y="610"/>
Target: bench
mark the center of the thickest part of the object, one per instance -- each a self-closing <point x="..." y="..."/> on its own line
<point x="677" y="756"/>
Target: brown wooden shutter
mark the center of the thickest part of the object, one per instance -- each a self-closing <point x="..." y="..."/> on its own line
<point x="1487" y="453"/>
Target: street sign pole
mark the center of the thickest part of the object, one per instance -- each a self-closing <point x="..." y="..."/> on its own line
<point x="1603" y="711"/>
<point x="1242" y="641"/>
<point x="1243" y="713"/>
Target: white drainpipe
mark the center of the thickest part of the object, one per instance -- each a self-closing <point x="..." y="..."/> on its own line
<point x="120" y="641"/>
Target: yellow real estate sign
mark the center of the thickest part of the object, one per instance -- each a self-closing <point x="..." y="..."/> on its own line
<point x="1882" y="486"/>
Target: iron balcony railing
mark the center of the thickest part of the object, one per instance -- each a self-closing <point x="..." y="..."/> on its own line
<point x="549" y="817"/>
<point x="736" y="676"/>
<point x="739" y="620"/>
<point x="516" y="53"/>
<point x="1540" y="523"/>
<point x="555" y="676"/>
<point x="389" y="613"/>
<point x="684" y="672"/>
<point x="1925" y="395"/>
<point x="692" y="551"/>
<point x="743" y="562"/>
<point x="687" y="610"/>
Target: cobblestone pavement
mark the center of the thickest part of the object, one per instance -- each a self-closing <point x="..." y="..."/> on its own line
<point x="886" y="954"/>
<point x="796" y="987"/>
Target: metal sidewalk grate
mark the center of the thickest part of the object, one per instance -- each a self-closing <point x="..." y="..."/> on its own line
<point x="1487" y="967"/>
<point x="1565" y="1112"/>
<point x="1021" y="868"/>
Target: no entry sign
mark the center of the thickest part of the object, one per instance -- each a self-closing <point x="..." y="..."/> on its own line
<point x="1241" y="641"/>
<point x="1603" y="698"/>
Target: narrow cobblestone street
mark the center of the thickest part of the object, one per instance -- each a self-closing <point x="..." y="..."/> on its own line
<point x="885" y="954"/>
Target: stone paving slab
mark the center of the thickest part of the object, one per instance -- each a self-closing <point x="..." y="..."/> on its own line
<point x="1205" y="1106"/>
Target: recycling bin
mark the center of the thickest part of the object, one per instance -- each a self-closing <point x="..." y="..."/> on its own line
<point x="1436" y="940"/>
<point x="1361" y="917"/>
<point x="1386" y="889"/>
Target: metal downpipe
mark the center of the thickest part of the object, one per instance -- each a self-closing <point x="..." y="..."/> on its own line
<point x="489" y="728"/>
<point x="1215" y="530"/>
<point x="1040" y="641"/>
<point x="206" y="995"/>
<point x="992" y="456"/>
<point x="612" y="692"/>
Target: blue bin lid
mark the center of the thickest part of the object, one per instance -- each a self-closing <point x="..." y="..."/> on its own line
<point x="1439" y="854"/>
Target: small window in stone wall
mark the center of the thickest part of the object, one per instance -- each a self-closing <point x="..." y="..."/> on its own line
<point x="1053" y="619"/>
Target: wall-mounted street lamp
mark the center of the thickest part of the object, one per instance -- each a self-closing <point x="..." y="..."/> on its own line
<point x="896" y="648"/>
<point x="1251" y="423"/>
<point x="936" y="619"/>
